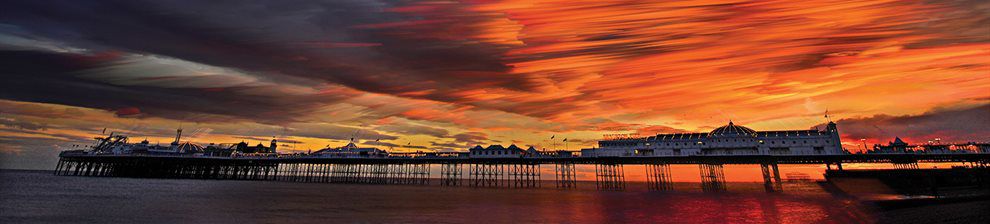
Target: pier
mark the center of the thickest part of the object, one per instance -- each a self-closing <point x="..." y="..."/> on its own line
<point x="460" y="171"/>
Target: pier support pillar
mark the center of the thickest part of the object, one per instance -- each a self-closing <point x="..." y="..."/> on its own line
<point x="487" y="175"/>
<point x="771" y="177"/>
<point x="397" y="173"/>
<point x="524" y="175"/>
<point x="712" y="177"/>
<point x="610" y="177"/>
<point x="450" y="174"/>
<point x="566" y="174"/>
<point x="379" y="174"/>
<point x="658" y="177"/>
<point x="59" y="166"/>
<point x="421" y="174"/>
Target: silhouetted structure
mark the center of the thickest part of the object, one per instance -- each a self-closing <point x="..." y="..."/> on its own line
<point x="898" y="146"/>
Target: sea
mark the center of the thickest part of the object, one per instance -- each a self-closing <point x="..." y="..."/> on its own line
<point x="41" y="197"/>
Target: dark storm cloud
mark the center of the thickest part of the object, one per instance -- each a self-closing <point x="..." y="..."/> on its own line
<point x="53" y="78"/>
<point x="331" y="131"/>
<point x="949" y="124"/>
<point x="471" y="138"/>
<point x="307" y="43"/>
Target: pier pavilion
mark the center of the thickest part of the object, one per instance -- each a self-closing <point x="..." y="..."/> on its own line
<point x="730" y="139"/>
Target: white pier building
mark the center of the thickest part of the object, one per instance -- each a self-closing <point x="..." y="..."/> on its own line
<point x="730" y="139"/>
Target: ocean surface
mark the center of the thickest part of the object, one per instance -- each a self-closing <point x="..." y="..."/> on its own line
<point x="40" y="197"/>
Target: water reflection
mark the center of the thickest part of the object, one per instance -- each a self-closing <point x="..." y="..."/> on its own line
<point x="41" y="197"/>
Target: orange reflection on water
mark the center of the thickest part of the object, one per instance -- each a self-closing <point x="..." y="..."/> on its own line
<point x="647" y="207"/>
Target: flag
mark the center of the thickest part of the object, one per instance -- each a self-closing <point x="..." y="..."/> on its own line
<point x="551" y="137"/>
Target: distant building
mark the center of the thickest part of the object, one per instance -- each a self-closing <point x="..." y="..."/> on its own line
<point x="497" y="151"/>
<point x="260" y="148"/>
<point x="241" y="148"/>
<point x="896" y="146"/>
<point x="351" y="150"/>
<point x="730" y="139"/>
<point x="899" y="146"/>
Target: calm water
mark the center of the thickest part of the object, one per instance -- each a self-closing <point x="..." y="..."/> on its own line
<point x="35" y="196"/>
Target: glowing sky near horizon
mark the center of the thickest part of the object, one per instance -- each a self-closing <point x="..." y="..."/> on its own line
<point x="445" y="75"/>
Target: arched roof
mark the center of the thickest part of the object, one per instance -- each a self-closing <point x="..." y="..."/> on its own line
<point x="731" y="130"/>
<point x="189" y="147"/>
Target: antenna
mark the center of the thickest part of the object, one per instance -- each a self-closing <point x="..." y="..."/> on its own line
<point x="826" y="115"/>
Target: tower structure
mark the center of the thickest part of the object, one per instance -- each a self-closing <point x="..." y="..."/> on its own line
<point x="271" y="148"/>
<point x="178" y="136"/>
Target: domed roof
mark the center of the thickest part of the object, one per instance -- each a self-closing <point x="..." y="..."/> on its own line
<point x="731" y="130"/>
<point x="189" y="147"/>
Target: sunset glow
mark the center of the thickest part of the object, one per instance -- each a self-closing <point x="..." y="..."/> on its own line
<point x="448" y="75"/>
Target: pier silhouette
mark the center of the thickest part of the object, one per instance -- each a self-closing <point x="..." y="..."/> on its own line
<point x="459" y="171"/>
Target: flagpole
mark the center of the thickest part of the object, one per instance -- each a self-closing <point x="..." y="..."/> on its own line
<point x="553" y="142"/>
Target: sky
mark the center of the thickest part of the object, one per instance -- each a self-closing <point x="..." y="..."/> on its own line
<point x="447" y="75"/>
